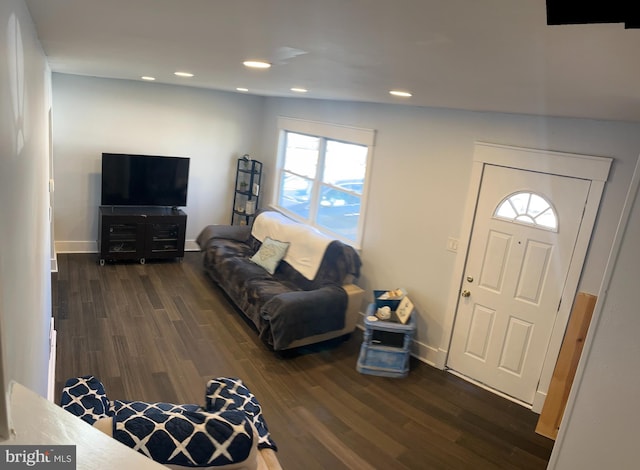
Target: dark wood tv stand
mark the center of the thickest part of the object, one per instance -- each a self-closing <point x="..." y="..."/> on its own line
<point x="140" y="233"/>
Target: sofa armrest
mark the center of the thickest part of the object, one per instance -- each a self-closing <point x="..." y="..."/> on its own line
<point x="355" y="295"/>
<point x="289" y="316"/>
<point x="231" y="232"/>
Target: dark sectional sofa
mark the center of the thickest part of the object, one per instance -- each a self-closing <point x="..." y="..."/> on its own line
<point x="288" y="309"/>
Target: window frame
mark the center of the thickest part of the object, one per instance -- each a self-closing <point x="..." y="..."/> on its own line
<point x="324" y="131"/>
<point x="534" y="222"/>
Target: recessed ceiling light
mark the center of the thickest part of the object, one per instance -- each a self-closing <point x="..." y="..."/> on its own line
<point x="257" y="64"/>
<point x="183" y="74"/>
<point x="148" y="78"/>
<point x="299" y="90"/>
<point x="403" y="94"/>
<point x="244" y="90"/>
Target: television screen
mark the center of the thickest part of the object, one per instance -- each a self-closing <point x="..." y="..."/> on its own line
<point x="144" y="180"/>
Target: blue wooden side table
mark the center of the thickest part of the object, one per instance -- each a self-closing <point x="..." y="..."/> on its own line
<point x="386" y="346"/>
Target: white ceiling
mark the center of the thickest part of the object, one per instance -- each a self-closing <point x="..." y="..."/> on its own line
<point x="486" y="55"/>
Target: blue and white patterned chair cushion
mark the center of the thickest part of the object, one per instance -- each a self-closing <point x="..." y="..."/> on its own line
<point x="127" y="408"/>
<point x="226" y="393"/>
<point x="86" y="398"/>
<point x="227" y="432"/>
<point x="187" y="438"/>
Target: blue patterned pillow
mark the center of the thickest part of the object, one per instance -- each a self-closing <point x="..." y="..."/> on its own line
<point x="187" y="438"/>
<point x="226" y="393"/>
<point x="86" y="398"/>
<point x="127" y="408"/>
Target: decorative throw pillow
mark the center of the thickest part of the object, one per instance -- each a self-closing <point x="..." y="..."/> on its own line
<point x="270" y="254"/>
<point x="86" y="398"/>
<point x="228" y="393"/>
<point x="189" y="438"/>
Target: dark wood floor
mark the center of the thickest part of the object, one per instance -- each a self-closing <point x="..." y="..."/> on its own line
<point x="158" y="332"/>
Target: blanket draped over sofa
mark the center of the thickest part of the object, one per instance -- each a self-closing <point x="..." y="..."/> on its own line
<point x="310" y="296"/>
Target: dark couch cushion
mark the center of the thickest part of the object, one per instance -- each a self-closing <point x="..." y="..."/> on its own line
<point x="219" y="248"/>
<point x="260" y="291"/>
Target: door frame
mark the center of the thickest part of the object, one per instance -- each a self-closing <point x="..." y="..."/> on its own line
<point x="595" y="169"/>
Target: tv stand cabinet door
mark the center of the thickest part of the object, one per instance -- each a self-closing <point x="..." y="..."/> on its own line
<point x="121" y="237"/>
<point x="165" y="235"/>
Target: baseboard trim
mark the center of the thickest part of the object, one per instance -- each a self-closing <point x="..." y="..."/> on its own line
<point x="191" y="245"/>
<point x="538" y="401"/>
<point x="76" y="246"/>
<point x="441" y="361"/>
<point x="425" y="353"/>
<point x="51" y="381"/>
<point x="92" y="247"/>
<point x="54" y="264"/>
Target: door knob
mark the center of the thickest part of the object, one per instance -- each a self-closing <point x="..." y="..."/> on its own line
<point x="465" y="293"/>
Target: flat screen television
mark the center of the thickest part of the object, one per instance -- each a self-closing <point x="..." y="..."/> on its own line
<point x="144" y="180"/>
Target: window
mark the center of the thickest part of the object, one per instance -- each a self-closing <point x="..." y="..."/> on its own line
<point x="322" y="176"/>
<point x="528" y="208"/>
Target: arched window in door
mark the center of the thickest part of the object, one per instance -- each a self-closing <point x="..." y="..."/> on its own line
<point x="528" y="208"/>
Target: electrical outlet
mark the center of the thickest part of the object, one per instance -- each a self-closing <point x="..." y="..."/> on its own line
<point x="452" y="244"/>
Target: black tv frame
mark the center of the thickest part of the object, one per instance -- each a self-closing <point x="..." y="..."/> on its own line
<point x="144" y="180"/>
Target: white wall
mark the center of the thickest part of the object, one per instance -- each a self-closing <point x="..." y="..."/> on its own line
<point x="421" y="169"/>
<point x="420" y="175"/>
<point x="92" y="115"/>
<point x="25" y="281"/>
<point x="600" y="426"/>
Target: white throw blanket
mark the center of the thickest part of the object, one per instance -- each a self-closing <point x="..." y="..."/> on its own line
<point x="306" y="244"/>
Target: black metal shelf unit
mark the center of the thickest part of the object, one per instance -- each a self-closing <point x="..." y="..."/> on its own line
<point x="246" y="193"/>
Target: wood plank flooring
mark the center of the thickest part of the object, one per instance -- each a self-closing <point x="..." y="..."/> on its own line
<point x="159" y="331"/>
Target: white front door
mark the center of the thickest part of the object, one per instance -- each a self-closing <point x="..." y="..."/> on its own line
<point x="523" y="237"/>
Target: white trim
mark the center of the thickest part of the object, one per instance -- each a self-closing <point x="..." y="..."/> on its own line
<point x="424" y="353"/>
<point x="461" y="259"/>
<point x="5" y="386"/>
<point x="441" y="359"/>
<point x="538" y="401"/>
<point x="92" y="247"/>
<point x="587" y="167"/>
<point x="631" y="198"/>
<point x="52" y="362"/>
<point x="324" y="131"/>
<point x="593" y="168"/>
<point x="76" y="246"/>
<point x="355" y="135"/>
<point x="54" y="263"/>
<point x="571" y="286"/>
<point x="191" y="245"/>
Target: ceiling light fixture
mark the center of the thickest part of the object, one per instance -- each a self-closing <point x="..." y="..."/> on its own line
<point x="244" y="90"/>
<point x="183" y="74"/>
<point x="403" y="94"/>
<point x="148" y="78"/>
<point x="256" y="64"/>
<point x="299" y="90"/>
